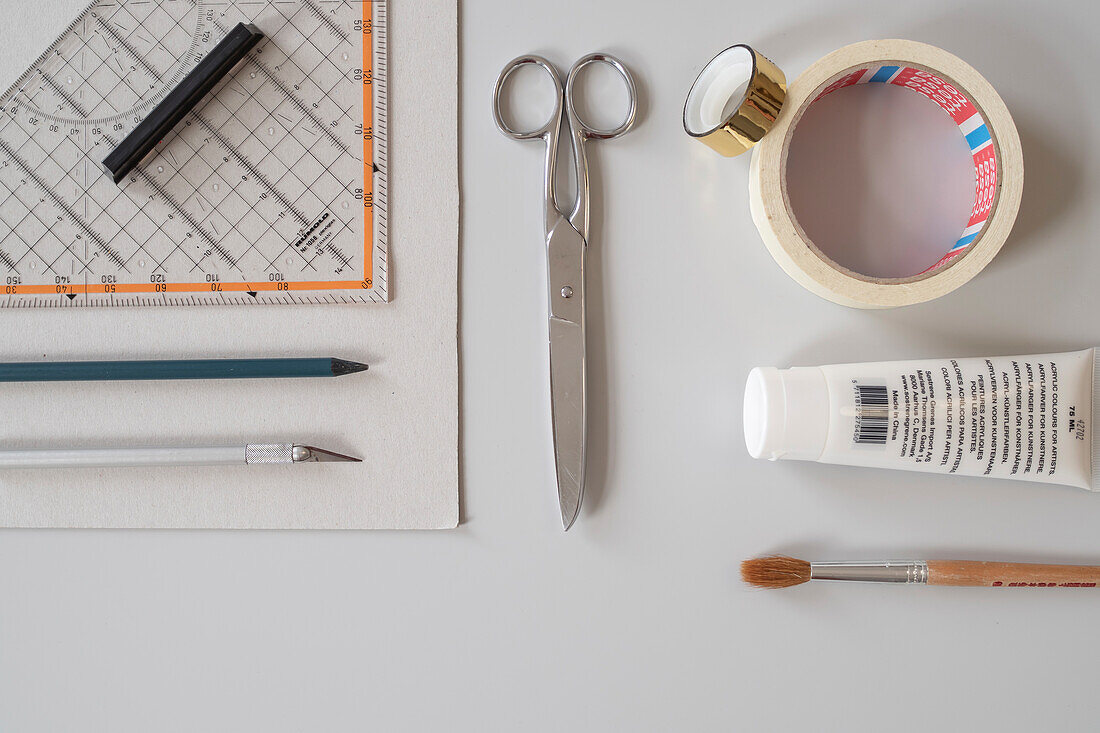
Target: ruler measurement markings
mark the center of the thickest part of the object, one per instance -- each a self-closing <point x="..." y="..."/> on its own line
<point x="121" y="43"/>
<point x="30" y="106"/>
<point x="251" y="168"/>
<point x="63" y="95"/>
<point x="338" y="254"/>
<point x="194" y="223"/>
<point x="256" y="133"/>
<point x="14" y="228"/>
<point x="188" y="59"/>
<point x="347" y="186"/>
<point x="200" y="197"/>
<point x="294" y="100"/>
<point x="346" y="112"/>
<point x="331" y="246"/>
<point x="125" y="80"/>
<point x="142" y="246"/>
<point x="290" y="172"/>
<point x="302" y="107"/>
<point x="79" y="109"/>
<point x="375" y="51"/>
<point x="125" y="46"/>
<point x="335" y="252"/>
<point x="307" y="39"/>
<point x="32" y="248"/>
<point x="63" y="206"/>
<point x="212" y="244"/>
<point x="345" y="260"/>
<point x="251" y="207"/>
<point x="187" y="217"/>
<point x="289" y="247"/>
<point x="105" y="210"/>
<point x="85" y="196"/>
<point x="326" y="20"/>
<point x="367" y="19"/>
<point x="50" y="265"/>
<point x="45" y="55"/>
<point x="159" y="264"/>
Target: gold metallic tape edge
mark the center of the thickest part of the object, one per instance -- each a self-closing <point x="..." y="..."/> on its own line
<point x="767" y="91"/>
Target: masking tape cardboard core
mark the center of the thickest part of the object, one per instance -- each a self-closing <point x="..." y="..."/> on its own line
<point x="982" y="119"/>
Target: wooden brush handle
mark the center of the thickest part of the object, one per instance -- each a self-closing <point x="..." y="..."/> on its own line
<point x="1011" y="574"/>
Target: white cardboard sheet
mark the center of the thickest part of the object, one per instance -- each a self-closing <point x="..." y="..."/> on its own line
<point x="401" y="417"/>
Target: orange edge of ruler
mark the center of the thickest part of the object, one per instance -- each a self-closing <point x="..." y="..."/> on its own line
<point x="368" y="144"/>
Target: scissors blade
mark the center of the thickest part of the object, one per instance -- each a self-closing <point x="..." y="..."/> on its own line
<point x="566" y="250"/>
<point x="569" y="404"/>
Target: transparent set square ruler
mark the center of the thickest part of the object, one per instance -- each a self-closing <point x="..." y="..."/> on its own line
<point x="272" y="190"/>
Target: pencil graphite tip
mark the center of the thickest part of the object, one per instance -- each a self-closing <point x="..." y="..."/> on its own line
<point x="340" y="367"/>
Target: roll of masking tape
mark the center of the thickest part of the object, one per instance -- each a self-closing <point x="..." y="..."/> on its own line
<point x="948" y="82"/>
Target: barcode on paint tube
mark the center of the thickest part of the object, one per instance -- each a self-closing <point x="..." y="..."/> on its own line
<point x="872" y="414"/>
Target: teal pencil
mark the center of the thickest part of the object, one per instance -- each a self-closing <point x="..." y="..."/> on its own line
<point x="110" y="371"/>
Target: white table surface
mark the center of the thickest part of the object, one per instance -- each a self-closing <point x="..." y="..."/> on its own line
<point x="635" y="620"/>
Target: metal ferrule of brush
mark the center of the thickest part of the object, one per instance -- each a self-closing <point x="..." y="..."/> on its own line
<point x="893" y="571"/>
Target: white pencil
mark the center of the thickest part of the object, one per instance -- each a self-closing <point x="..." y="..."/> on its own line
<point x="268" y="454"/>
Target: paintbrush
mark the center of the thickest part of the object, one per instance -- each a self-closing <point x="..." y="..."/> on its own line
<point x="780" y="571"/>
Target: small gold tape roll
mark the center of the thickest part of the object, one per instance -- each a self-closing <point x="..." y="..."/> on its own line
<point x="982" y="118"/>
<point x="735" y="100"/>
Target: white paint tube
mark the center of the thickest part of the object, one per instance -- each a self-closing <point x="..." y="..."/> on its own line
<point x="1015" y="417"/>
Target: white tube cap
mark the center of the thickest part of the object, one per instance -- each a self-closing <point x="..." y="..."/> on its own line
<point x="786" y="413"/>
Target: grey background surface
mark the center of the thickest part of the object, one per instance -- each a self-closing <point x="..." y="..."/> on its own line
<point x="635" y="620"/>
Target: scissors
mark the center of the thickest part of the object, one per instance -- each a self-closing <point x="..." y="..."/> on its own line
<point x="566" y="251"/>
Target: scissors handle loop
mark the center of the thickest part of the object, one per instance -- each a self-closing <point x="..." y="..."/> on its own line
<point x="552" y="124"/>
<point x="589" y="131"/>
<point x="579" y="132"/>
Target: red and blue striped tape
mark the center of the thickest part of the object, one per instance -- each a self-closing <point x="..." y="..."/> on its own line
<point x="971" y="124"/>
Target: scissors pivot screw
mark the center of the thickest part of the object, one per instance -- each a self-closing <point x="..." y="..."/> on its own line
<point x="567" y="292"/>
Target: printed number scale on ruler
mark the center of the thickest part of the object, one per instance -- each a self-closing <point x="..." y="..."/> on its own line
<point x="272" y="190"/>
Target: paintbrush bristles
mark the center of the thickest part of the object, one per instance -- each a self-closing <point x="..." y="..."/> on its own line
<point x="777" y="571"/>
